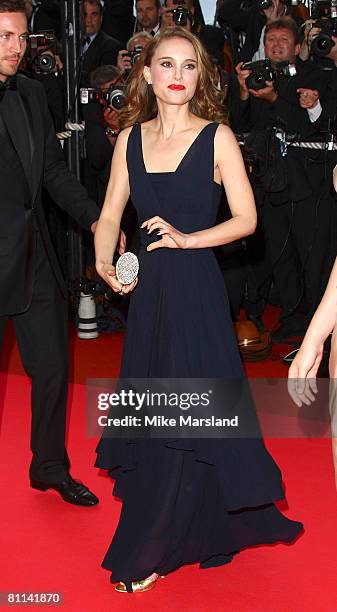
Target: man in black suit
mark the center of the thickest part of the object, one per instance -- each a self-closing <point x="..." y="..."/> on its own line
<point x="291" y="186"/>
<point x="98" y="48"/>
<point x="33" y="293"/>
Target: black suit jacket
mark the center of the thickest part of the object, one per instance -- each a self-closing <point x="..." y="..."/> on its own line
<point x="102" y="51"/>
<point x="285" y="113"/>
<point x="35" y="160"/>
<point x="118" y="20"/>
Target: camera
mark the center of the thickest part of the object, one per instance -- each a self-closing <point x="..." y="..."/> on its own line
<point x="325" y="13"/>
<point x="181" y="15"/>
<point x="135" y="54"/>
<point x="263" y="71"/>
<point x="43" y="62"/>
<point x="323" y="42"/>
<point x="114" y="97"/>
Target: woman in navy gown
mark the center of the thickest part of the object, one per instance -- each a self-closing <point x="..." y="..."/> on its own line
<point x="184" y="501"/>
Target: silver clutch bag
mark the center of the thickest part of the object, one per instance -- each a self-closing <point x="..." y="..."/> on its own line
<point x="127" y="268"/>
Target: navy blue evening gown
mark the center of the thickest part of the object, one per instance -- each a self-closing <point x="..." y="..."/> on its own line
<point x="185" y="501"/>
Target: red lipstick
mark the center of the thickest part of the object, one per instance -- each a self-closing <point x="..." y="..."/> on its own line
<point x="177" y="87"/>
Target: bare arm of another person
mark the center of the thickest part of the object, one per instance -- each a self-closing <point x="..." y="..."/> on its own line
<point x="108" y="227"/>
<point x="228" y="160"/>
<point x="303" y="370"/>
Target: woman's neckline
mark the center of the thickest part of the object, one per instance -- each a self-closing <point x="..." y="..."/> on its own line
<point x="184" y="156"/>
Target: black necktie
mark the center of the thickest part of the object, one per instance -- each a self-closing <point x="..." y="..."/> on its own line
<point x="152" y="33"/>
<point x="86" y="40"/>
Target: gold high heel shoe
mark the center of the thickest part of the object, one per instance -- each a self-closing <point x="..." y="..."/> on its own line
<point x="139" y="586"/>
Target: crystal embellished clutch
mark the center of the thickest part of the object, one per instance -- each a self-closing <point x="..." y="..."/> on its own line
<point x="127" y="268"/>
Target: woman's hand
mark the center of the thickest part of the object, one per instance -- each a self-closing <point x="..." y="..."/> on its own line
<point x="302" y="385"/>
<point x="108" y="273"/>
<point x="171" y="238"/>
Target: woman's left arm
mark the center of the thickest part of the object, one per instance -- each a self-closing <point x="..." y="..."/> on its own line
<point x="228" y="159"/>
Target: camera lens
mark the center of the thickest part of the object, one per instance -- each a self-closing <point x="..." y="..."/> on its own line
<point x="45" y="63"/>
<point x="322" y="45"/>
<point x="116" y="99"/>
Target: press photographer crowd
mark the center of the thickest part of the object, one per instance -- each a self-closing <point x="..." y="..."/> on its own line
<point x="276" y="63"/>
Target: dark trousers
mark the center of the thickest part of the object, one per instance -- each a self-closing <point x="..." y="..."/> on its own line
<point x="42" y="337"/>
<point x="297" y="248"/>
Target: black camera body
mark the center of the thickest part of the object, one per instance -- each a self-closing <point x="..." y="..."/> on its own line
<point x="135" y="54"/>
<point x="323" y="43"/>
<point x="43" y="62"/>
<point x="263" y="71"/>
<point x="114" y="97"/>
<point x="181" y="15"/>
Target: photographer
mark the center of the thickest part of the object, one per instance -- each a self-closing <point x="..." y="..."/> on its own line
<point x="102" y="127"/>
<point x="282" y="101"/>
<point x="101" y="133"/>
<point x="178" y="13"/>
<point x="127" y="57"/>
<point x="328" y="119"/>
<point x="43" y="61"/>
<point x="248" y="20"/>
<point x="98" y="48"/>
<point x="148" y="16"/>
<point x="293" y="242"/>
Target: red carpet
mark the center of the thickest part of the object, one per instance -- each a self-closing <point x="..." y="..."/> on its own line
<point x="49" y="546"/>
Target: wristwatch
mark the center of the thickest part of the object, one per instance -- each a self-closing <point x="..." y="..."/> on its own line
<point x="110" y="132"/>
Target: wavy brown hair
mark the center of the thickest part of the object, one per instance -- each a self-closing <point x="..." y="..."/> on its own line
<point x="141" y="104"/>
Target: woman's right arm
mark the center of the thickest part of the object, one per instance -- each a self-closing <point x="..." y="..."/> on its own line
<point x="324" y="319"/>
<point x="306" y="363"/>
<point x="108" y="227"/>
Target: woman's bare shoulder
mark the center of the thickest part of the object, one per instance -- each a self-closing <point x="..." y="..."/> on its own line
<point x="224" y="136"/>
<point x="124" y="134"/>
<point x="224" y="131"/>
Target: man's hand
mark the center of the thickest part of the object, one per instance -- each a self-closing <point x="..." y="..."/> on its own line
<point x="275" y="10"/>
<point x="333" y="53"/>
<point x="111" y="118"/>
<point x="267" y="93"/>
<point x="310" y="32"/>
<point x="123" y="61"/>
<point x="242" y="75"/>
<point x="308" y="97"/>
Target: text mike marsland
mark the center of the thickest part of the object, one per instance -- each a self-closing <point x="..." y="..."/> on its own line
<point x="161" y="421"/>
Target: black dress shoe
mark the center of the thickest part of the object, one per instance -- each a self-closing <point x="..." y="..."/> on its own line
<point x="70" y="490"/>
